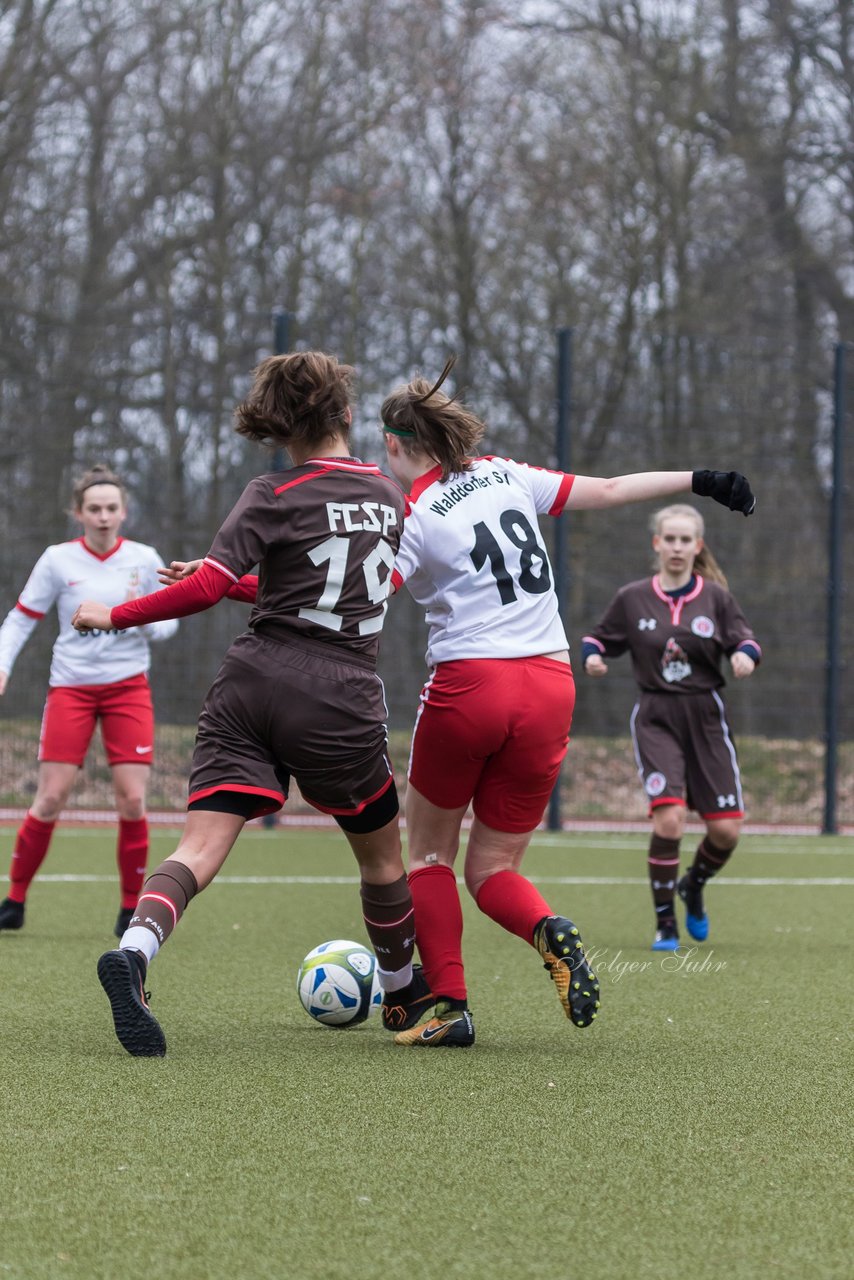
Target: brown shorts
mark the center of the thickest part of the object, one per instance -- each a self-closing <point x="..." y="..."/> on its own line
<point x="281" y="710"/>
<point x="684" y="751"/>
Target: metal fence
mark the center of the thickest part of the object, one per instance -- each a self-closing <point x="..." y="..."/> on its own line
<point x="697" y="403"/>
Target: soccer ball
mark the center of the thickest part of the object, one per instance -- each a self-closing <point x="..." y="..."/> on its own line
<point x="338" y="983"/>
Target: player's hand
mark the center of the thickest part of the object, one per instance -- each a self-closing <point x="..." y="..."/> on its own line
<point x="730" y="488"/>
<point x="595" y="666"/>
<point x="91" y="616"/>
<point x="4" y="680"/>
<point x="177" y="571"/>
<point x="742" y="664"/>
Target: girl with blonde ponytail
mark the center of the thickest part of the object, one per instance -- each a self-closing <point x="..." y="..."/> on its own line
<point x="678" y="626"/>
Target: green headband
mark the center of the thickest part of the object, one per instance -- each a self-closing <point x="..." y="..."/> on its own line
<point x="397" y="431"/>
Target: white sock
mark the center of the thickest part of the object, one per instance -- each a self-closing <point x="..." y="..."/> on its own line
<point x="141" y="939"/>
<point x="395" y="981"/>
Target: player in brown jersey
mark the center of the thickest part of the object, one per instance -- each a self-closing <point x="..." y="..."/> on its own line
<point x="677" y="627"/>
<point x="298" y="696"/>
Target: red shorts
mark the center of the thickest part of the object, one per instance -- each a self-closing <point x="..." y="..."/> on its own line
<point x="493" y="732"/>
<point x="124" y="710"/>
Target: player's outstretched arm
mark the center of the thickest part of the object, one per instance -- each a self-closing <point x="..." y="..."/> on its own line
<point x="598" y="492"/>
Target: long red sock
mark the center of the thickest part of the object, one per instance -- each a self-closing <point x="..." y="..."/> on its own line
<point x="439" y="929"/>
<point x="131" y="856"/>
<point x="31" y="846"/>
<point x="513" y="902"/>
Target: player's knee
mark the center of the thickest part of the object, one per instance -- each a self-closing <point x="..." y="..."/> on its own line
<point x="669" y="821"/>
<point x="48" y="807"/>
<point x="724" y="833"/>
<point x="49" y="802"/>
<point x="130" y="806"/>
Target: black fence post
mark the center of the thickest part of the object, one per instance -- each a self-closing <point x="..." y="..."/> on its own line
<point x="835" y="577"/>
<point x="562" y="460"/>
<point x="281" y="344"/>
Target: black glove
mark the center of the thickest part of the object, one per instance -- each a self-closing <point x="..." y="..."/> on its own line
<point x="728" y="487"/>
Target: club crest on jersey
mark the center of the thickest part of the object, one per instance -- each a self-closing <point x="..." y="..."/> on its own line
<point x="647" y="624"/>
<point x="703" y="627"/>
<point x="655" y="784"/>
<point x="674" y="662"/>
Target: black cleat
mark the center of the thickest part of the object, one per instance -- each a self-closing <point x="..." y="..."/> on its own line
<point x="122" y="974"/>
<point x="123" y="920"/>
<point x="559" y="943"/>
<point x="402" y="1009"/>
<point x="11" y="914"/>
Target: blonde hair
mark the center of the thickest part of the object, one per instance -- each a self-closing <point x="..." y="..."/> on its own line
<point x="704" y="562"/>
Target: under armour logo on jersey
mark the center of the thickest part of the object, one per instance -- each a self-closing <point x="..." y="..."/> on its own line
<point x="726" y="802"/>
<point x="646" y="624"/>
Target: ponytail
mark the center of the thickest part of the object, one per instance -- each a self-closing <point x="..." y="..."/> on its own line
<point x="425" y="420"/>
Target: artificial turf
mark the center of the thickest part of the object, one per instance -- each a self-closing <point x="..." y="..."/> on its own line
<point x="697" y="1129"/>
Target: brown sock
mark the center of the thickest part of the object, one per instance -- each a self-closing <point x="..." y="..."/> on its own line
<point x="390" y="921"/>
<point x="164" y="899"/>
<point x="663" y="867"/>
<point x="708" y="861"/>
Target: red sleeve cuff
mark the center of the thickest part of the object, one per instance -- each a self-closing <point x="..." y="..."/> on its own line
<point x="563" y="492"/>
<point x="192" y="595"/>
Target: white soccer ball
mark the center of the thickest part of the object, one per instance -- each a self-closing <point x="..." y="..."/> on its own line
<point x="338" y="984"/>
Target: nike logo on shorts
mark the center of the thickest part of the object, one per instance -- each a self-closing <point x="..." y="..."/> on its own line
<point x="142" y="751"/>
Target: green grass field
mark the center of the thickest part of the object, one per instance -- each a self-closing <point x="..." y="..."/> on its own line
<point x="698" y="1129"/>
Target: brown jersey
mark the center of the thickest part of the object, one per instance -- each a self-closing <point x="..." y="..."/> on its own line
<point x="324" y="536"/>
<point x="676" y="642"/>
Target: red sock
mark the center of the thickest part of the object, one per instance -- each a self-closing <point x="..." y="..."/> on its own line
<point x="132" y="855"/>
<point x="513" y="902"/>
<point x="31" y="845"/>
<point x="439" y="929"/>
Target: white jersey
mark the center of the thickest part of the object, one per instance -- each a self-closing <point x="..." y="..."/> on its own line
<point x="67" y="574"/>
<point x="472" y="555"/>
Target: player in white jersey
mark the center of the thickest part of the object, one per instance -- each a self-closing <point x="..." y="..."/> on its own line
<point x="495" y="713"/>
<point x="99" y="677"/>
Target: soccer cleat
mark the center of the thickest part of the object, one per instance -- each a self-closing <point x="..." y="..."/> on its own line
<point x="123" y="920"/>
<point x="121" y="974"/>
<point x="405" y="1013"/>
<point x="11" y="914"/>
<point x="559" y="943"/>
<point x="447" y="1029"/>
<point x="696" y="920"/>
<point x="666" y="939"/>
